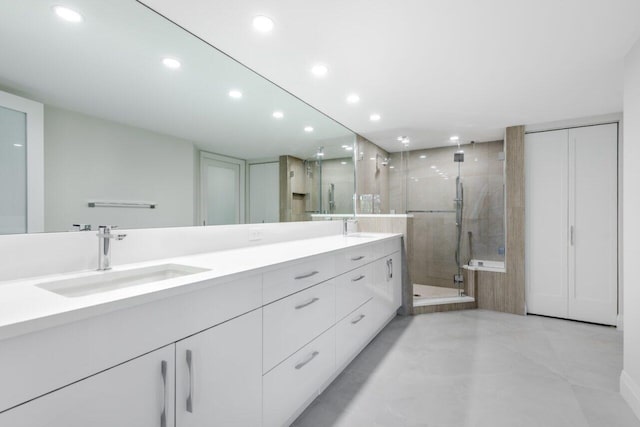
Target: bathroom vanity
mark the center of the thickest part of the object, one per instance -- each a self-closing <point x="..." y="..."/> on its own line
<point x="243" y="337"/>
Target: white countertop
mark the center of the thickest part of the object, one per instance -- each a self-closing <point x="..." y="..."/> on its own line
<point x="25" y="308"/>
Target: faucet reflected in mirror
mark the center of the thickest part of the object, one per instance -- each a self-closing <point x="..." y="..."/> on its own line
<point x="104" y="245"/>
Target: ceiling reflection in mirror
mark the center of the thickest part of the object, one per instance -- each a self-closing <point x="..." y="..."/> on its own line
<point x="133" y="106"/>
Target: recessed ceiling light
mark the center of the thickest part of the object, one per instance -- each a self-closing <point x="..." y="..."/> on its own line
<point x="454" y="138"/>
<point x="353" y="98"/>
<point x="172" y="63"/>
<point x="319" y="70"/>
<point x="374" y="117"/>
<point x="424" y="156"/>
<point x="278" y="114"/>
<point x="392" y="167"/>
<point x="343" y="163"/>
<point x="433" y="166"/>
<point x="263" y="24"/>
<point x="235" y="94"/>
<point x="67" y="14"/>
<point x="372" y="158"/>
<point x="18" y="145"/>
<point x="349" y="148"/>
<point x="308" y="129"/>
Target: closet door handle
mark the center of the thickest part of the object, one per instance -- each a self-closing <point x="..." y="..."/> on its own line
<point x="571" y="235"/>
<point x="163" y="414"/>
<point x="191" y="381"/>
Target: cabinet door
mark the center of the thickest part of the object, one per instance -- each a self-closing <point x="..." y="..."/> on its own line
<point x="387" y="278"/>
<point x="137" y="393"/>
<point x="593" y="219"/>
<point x="219" y="375"/>
<point x="546" y="225"/>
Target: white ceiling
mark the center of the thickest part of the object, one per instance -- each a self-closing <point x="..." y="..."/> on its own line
<point x="431" y="68"/>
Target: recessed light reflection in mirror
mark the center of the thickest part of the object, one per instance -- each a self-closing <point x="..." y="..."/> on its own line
<point x="278" y="114"/>
<point x="235" y="94"/>
<point x="319" y="70"/>
<point x="67" y="14"/>
<point x="171" y="63"/>
<point x="308" y="129"/>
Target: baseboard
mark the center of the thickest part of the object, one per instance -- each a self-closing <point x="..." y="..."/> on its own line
<point x="630" y="391"/>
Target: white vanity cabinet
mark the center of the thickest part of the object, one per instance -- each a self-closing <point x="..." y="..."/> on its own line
<point x="251" y="350"/>
<point x="219" y="375"/>
<point x="137" y="393"/>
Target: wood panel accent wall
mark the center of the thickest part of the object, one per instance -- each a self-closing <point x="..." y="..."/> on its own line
<point x="506" y="291"/>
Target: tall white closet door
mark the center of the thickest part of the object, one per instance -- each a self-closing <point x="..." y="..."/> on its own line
<point x="546" y="196"/>
<point x="571" y="223"/>
<point x="593" y="213"/>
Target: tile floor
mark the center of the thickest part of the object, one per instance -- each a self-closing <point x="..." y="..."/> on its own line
<point x="479" y="368"/>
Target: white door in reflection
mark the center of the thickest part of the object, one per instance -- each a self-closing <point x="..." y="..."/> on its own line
<point x="222" y="190"/>
<point x="13" y="171"/>
<point x="21" y="165"/>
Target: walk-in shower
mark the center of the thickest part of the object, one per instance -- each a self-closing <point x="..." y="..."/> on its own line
<point x="456" y="197"/>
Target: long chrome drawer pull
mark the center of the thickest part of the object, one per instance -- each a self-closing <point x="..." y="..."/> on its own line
<point x="309" y="359"/>
<point x="163" y="414"/>
<point x="359" y="318"/>
<point x="357" y="279"/>
<point x="357" y="258"/>
<point x="191" y="379"/>
<point x="308" y="303"/>
<point x="304" y="276"/>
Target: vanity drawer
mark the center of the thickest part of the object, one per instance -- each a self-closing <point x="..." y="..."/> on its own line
<point x="353" y="289"/>
<point x="286" y="281"/>
<point x="292" y="322"/>
<point x="298" y="380"/>
<point x="354" y="331"/>
<point x="353" y="258"/>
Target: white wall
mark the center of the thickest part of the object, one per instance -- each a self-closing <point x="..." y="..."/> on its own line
<point x="87" y="158"/>
<point x="630" y="378"/>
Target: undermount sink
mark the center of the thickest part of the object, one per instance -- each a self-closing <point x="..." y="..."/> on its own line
<point x="105" y="281"/>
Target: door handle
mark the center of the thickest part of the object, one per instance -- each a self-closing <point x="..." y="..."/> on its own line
<point x="163" y="414"/>
<point x="571" y="235"/>
<point x="191" y="381"/>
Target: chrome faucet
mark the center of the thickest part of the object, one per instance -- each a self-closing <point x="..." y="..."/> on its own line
<point x="104" y="245"/>
<point x="345" y="225"/>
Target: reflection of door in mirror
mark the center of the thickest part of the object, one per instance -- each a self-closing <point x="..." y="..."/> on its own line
<point x="222" y="189"/>
<point x="264" y="192"/>
<point x="21" y="168"/>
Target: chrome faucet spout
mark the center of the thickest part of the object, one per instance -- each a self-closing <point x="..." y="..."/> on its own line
<point x="104" y="245"/>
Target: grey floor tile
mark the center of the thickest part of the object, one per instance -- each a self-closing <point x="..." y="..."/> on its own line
<point x="479" y="368"/>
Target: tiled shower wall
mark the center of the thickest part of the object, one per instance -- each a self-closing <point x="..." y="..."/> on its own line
<point x="425" y="180"/>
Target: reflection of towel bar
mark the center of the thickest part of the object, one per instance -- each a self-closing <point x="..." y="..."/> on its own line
<point x="143" y="205"/>
<point x="432" y="211"/>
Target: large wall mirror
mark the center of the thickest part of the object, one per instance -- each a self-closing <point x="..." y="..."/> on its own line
<point x="125" y="118"/>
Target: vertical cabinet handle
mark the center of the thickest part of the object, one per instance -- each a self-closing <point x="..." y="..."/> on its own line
<point x="571" y="234"/>
<point x="163" y="414"/>
<point x="389" y="269"/>
<point x="191" y="380"/>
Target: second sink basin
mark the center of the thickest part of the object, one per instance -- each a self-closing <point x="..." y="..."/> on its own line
<point x="110" y="280"/>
